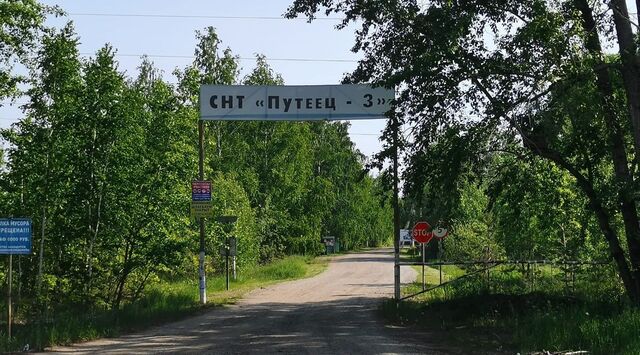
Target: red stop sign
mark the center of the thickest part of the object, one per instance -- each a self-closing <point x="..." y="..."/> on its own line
<point x="421" y="232"/>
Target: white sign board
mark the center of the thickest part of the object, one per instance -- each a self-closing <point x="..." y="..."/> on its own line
<point x="440" y="232"/>
<point x="293" y="102"/>
<point x="405" y="235"/>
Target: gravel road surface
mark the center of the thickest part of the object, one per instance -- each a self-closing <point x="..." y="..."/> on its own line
<point x="332" y="313"/>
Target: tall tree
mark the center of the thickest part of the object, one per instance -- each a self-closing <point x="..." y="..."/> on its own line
<point x="40" y="144"/>
<point x="21" y="25"/>
<point x="507" y="66"/>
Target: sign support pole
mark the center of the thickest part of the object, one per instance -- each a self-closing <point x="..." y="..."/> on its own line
<point x="440" y="258"/>
<point x="396" y="213"/>
<point x="9" y="320"/>
<point x="227" y="264"/>
<point x="201" y="273"/>
<point x="235" y="276"/>
<point x="423" y="260"/>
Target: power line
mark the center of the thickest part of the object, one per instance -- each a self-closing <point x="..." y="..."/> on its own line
<point x="328" y="60"/>
<point x="365" y="134"/>
<point x="351" y="134"/>
<point x="209" y="17"/>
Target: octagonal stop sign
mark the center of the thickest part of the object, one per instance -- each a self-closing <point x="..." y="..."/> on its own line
<point x="421" y="232"/>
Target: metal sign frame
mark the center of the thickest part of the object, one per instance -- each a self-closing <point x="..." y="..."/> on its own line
<point x="335" y="103"/>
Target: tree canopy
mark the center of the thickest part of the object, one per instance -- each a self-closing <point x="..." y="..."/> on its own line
<point x="480" y="80"/>
<point x="102" y="163"/>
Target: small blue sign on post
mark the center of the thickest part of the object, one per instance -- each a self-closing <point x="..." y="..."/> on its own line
<point x="201" y="191"/>
<point x="15" y="235"/>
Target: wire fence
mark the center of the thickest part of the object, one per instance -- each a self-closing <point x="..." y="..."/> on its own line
<point x="533" y="276"/>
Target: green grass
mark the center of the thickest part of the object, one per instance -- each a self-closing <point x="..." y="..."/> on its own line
<point x="517" y="311"/>
<point x="598" y="328"/>
<point x="162" y="302"/>
<point x="432" y="273"/>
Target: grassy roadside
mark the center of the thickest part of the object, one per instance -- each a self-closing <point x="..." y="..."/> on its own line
<point x="503" y="314"/>
<point x="163" y="302"/>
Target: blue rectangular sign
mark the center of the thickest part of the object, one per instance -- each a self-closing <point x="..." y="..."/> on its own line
<point x="201" y="191"/>
<point x="15" y="235"/>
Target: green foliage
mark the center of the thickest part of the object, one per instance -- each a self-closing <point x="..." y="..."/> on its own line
<point x="616" y="332"/>
<point x="21" y="24"/>
<point x="528" y="309"/>
<point x="163" y="302"/>
<point x="102" y="163"/>
<point x="289" y="268"/>
<point x="519" y="99"/>
<point x="229" y="199"/>
<point x="529" y="323"/>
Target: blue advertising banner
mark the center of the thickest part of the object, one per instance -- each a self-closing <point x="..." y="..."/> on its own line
<point x="15" y="235"/>
<point x="201" y="191"/>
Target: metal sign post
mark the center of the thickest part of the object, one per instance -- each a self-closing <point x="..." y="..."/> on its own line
<point x="300" y="103"/>
<point x="423" y="260"/>
<point x="226" y="264"/>
<point x="422" y="235"/>
<point x="440" y="233"/>
<point x="396" y="214"/>
<point x="9" y="315"/>
<point x="230" y="245"/>
<point x="235" y="275"/>
<point x="440" y="258"/>
<point x="233" y="251"/>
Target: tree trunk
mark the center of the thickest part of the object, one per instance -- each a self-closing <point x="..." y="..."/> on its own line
<point x="616" y="138"/>
<point x="92" y="243"/>
<point x="126" y="269"/>
<point x="628" y="49"/>
<point x="41" y="253"/>
<point x="604" y="221"/>
<point x="142" y="285"/>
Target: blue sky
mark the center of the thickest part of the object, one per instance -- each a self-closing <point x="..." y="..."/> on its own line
<point x="174" y="38"/>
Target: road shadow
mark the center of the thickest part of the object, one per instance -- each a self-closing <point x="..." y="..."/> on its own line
<point x="347" y="259"/>
<point x="377" y="255"/>
<point x="350" y="326"/>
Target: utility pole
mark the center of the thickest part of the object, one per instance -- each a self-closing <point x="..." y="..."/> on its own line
<point x="396" y="213"/>
<point x="201" y="273"/>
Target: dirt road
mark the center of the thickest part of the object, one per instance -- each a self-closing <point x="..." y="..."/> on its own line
<point x="332" y="313"/>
